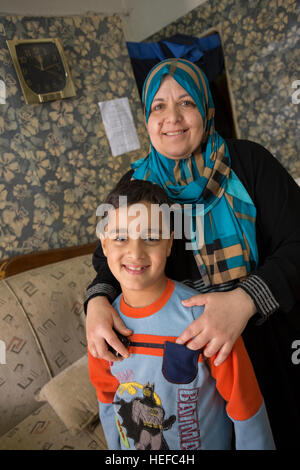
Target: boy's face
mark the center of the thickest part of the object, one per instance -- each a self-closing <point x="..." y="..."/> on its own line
<point x="136" y="247"/>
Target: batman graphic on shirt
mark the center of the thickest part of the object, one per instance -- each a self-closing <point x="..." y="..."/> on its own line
<point x="144" y="419"/>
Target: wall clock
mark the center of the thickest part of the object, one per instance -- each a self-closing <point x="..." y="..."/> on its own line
<point x="42" y="69"/>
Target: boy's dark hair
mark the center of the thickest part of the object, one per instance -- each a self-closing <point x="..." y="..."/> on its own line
<point x="137" y="191"/>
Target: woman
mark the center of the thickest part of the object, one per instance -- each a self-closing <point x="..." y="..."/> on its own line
<point x="248" y="270"/>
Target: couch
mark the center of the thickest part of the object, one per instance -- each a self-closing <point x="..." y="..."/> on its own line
<point x="46" y="399"/>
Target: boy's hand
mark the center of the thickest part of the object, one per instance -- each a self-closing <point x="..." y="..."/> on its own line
<point x="100" y="321"/>
<point x="225" y="317"/>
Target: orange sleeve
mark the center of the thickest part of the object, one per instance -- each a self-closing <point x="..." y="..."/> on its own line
<point x="236" y="382"/>
<point x="102" y="379"/>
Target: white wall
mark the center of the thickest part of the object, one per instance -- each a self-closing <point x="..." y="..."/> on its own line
<point x="59" y="7"/>
<point x="141" y="18"/>
<point x="146" y="17"/>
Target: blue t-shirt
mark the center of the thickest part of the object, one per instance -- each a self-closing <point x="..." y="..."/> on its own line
<point x="166" y="396"/>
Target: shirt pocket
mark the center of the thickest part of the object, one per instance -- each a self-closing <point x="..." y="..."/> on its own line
<point x="180" y="364"/>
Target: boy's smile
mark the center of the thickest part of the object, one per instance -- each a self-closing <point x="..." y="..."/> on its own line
<point x="135" y="270"/>
<point x="137" y="252"/>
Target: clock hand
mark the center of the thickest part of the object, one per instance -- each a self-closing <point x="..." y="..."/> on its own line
<point x="51" y="66"/>
<point x="40" y="61"/>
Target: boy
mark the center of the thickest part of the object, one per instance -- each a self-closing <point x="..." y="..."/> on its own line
<point x="166" y="396"/>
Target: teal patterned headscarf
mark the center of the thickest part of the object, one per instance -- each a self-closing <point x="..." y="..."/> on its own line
<point x="205" y="177"/>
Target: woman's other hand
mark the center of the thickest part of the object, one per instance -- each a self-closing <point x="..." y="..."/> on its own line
<point x="225" y="317"/>
<point x="100" y="321"/>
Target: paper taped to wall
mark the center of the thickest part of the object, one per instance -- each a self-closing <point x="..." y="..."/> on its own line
<point x="119" y="126"/>
<point x="2" y="92"/>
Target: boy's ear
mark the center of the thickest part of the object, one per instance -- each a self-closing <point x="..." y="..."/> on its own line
<point x="103" y="243"/>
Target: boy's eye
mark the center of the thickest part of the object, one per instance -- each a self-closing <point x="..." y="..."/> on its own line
<point x="151" y="239"/>
<point x="119" y="238"/>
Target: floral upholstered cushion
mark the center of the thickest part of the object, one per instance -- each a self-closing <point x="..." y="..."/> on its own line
<point x="43" y="430"/>
<point x="72" y="396"/>
<point x="42" y="325"/>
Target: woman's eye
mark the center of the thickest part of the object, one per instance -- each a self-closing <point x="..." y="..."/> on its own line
<point x="157" y="107"/>
<point x="187" y="103"/>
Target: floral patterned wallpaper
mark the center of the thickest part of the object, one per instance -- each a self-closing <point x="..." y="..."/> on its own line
<point x="261" y="43"/>
<point x="55" y="161"/>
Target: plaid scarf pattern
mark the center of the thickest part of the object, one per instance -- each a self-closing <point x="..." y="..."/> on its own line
<point x="227" y="218"/>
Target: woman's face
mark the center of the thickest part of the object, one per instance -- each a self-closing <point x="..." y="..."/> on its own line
<point x="175" y="125"/>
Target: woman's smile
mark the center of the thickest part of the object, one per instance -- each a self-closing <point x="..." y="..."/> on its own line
<point x="175" y="133"/>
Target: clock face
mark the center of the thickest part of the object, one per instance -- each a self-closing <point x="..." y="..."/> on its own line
<point x="41" y="66"/>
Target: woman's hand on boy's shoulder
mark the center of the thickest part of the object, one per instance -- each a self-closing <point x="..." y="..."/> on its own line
<point x="225" y="317"/>
<point x="101" y="320"/>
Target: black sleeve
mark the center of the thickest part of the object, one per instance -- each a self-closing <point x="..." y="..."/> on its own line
<point x="104" y="284"/>
<point x="276" y="281"/>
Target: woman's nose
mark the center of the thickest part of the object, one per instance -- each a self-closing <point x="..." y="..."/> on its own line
<point x="173" y="114"/>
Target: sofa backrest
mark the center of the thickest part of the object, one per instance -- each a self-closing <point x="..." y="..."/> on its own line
<point x="42" y="325"/>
